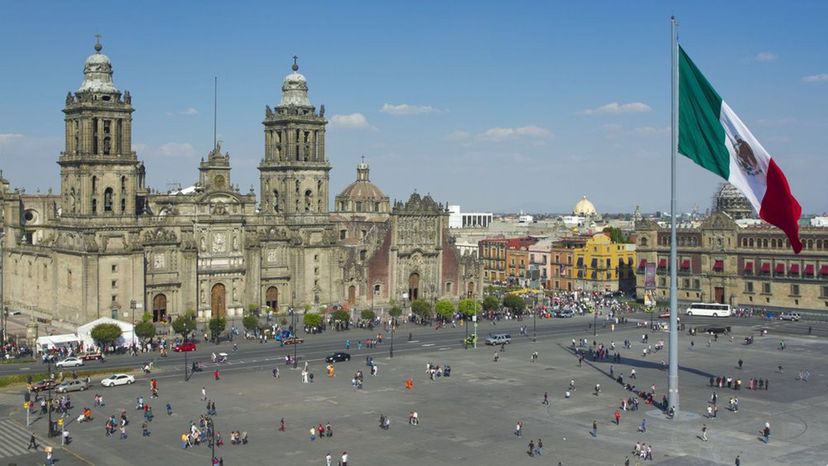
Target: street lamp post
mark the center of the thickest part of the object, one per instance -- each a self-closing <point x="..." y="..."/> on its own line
<point x="391" y="350"/>
<point x="49" y="397"/>
<point x="293" y="325"/>
<point x="535" y="325"/>
<point x="132" y="304"/>
<point x="211" y="424"/>
<point x="594" y="320"/>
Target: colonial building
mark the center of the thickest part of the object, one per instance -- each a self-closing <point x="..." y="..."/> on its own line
<point x="106" y="245"/>
<point x="738" y="264"/>
<point x="593" y="263"/>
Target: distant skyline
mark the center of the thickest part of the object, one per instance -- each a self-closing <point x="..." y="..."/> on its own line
<point x="490" y="107"/>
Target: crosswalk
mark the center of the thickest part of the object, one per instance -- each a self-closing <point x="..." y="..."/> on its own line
<point x="13" y="439"/>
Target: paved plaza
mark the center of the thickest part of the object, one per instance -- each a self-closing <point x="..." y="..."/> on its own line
<point x="470" y="417"/>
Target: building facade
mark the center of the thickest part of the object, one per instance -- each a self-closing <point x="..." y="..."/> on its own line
<point x="107" y="246"/>
<point x="593" y="263"/>
<point x="722" y="261"/>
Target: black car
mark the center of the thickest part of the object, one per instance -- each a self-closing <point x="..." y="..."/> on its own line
<point x="338" y="357"/>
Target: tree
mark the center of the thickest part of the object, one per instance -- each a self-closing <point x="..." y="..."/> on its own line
<point x="616" y="235"/>
<point x="312" y="319"/>
<point x="368" y="314"/>
<point x="250" y="322"/>
<point x="491" y="303"/>
<point x="145" y="330"/>
<point x="106" y="334"/>
<point x="185" y="324"/>
<point x="395" y="312"/>
<point x="468" y="307"/>
<point x="421" y="308"/>
<point x="253" y="310"/>
<point x="217" y="325"/>
<point x="515" y="303"/>
<point x="445" y="309"/>
<point x="340" y="315"/>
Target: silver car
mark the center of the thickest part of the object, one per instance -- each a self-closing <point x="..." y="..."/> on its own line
<point x="75" y="385"/>
<point x="498" y="338"/>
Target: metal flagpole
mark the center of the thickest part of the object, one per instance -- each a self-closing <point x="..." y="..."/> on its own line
<point x="672" y="382"/>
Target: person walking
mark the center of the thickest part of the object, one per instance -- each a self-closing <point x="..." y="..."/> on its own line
<point x="282" y="425"/>
<point x="531" y="448"/>
<point x="203" y="394"/>
<point x="738" y="461"/>
<point x="32" y="443"/>
<point x="704" y="433"/>
<point x="740" y="362"/>
<point x="539" y="448"/>
<point x="328" y="459"/>
<point x="518" y="428"/>
<point x="595" y="427"/>
<point x="312" y="433"/>
<point x="766" y="432"/>
<point x="617" y="417"/>
<point x="545" y="398"/>
<point x="344" y="460"/>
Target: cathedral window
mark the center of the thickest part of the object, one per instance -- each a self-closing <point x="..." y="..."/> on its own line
<point x="108" y="200"/>
<point x="276" y="200"/>
<point x="448" y="287"/>
<point x="363" y="254"/>
<point x="94" y="135"/>
<point x="69" y="279"/>
<point x="123" y="183"/>
<point x="94" y="184"/>
<point x="123" y="205"/>
<point x="94" y="206"/>
<point x="308" y="199"/>
<point x="376" y="207"/>
<point x="359" y="206"/>
<point x="297" y="186"/>
<point x="343" y="234"/>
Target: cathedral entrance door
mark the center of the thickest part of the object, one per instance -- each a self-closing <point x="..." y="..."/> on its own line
<point x="719" y="291"/>
<point x="159" y="308"/>
<point x="413" y="286"/>
<point x="218" y="300"/>
<point x="352" y="295"/>
<point x="272" y="298"/>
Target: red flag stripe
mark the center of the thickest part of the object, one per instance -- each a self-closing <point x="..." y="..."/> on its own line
<point x="779" y="207"/>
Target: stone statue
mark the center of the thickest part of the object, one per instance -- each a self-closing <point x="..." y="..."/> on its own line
<point x="235" y="243"/>
<point x="203" y="244"/>
<point x="322" y="111"/>
<point x="268" y="111"/>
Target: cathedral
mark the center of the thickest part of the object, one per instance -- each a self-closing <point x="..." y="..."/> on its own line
<point x="106" y="245"/>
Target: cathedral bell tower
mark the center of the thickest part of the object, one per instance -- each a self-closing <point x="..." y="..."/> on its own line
<point x="294" y="171"/>
<point x="100" y="175"/>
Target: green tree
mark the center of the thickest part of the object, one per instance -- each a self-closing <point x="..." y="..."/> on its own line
<point x="395" y="311"/>
<point x="445" y="309"/>
<point x="217" y="325"/>
<point x="421" y="308"/>
<point x="515" y="303"/>
<point x="491" y="303"/>
<point x="185" y="324"/>
<point x="341" y="315"/>
<point x="253" y="310"/>
<point x="105" y="334"/>
<point x="616" y="235"/>
<point x="250" y="322"/>
<point x="312" y="319"/>
<point x="367" y="314"/>
<point x="468" y="307"/>
<point x="145" y="330"/>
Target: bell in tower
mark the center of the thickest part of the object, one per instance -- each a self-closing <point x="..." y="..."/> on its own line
<point x="100" y="174"/>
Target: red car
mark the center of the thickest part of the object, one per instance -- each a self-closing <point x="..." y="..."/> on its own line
<point x="293" y="340"/>
<point x="91" y="356"/>
<point x="44" y="385"/>
<point x="187" y="346"/>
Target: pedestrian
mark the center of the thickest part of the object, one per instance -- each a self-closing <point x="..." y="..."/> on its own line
<point x="312" y="433"/>
<point x="595" y="427"/>
<point x="49" y="458"/>
<point x="282" y="425"/>
<point x="766" y="432"/>
<point x="539" y="448"/>
<point x="738" y="461"/>
<point x="32" y="443"/>
<point x="531" y="448"/>
<point x="169" y="409"/>
<point x="328" y="459"/>
<point x="545" y="398"/>
<point x="518" y="427"/>
<point x="123" y="431"/>
<point x="344" y="460"/>
<point x="643" y="426"/>
<point x="203" y="394"/>
<point x="216" y="374"/>
<point x="704" y="433"/>
<point x="145" y="430"/>
<point x="276" y="373"/>
<point x="740" y="363"/>
<point x="617" y="416"/>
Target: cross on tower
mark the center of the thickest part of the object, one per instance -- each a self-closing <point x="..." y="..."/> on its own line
<point x="295" y="66"/>
<point x="98" y="45"/>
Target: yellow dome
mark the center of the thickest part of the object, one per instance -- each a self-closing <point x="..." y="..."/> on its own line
<point x="584" y="208"/>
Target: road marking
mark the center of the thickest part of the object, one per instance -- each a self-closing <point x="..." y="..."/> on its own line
<point x="442" y="348"/>
<point x="425" y="345"/>
<point x="25" y="368"/>
<point x="14" y="438"/>
<point x="414" y="341"/>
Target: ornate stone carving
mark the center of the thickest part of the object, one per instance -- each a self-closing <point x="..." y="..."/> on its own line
<point x="219" y="244"/>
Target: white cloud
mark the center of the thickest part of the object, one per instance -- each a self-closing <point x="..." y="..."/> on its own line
<point x="764" y="57"/>
<point x="190" y="111"/>
<point x="352" y="121"/>
<point x="176" y="149"/>
<point x="458" y="136"/>
<point x="6" y="138"/>
<point x="405" y="109"/>
<point x="613" y="108"/>
<point x="814" y="78"/>
<point x="504" y="134"/>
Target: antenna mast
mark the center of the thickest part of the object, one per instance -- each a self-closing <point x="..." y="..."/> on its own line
<point x="215" y="107"/>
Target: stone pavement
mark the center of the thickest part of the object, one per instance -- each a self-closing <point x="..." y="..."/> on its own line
<point x="469" y="417"/>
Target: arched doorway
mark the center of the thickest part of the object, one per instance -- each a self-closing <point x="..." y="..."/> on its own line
<point x="470" y="290"/>
<point x="352" y="295"/>
<point x="272" y="298"/>
<point x="413" y="286"/>
<point x="159" y="308"/>
<point x="218" y="301"/>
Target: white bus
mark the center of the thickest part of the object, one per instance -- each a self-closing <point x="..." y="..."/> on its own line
<point x="709" y="310"/>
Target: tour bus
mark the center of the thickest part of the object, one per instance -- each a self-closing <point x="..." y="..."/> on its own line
<point x="709" y="310"/>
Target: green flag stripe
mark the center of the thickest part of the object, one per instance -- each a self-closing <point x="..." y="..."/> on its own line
<point x="701" y="136"/>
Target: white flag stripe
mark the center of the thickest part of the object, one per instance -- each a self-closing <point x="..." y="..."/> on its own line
<point x="752" y="185"/>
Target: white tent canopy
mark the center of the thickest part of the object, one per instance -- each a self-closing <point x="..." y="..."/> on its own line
<point x="53" y="341"/>
<point x="127" y="337"/>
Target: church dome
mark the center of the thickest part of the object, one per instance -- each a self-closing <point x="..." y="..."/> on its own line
<point x="732" y="202"/>
<point x="584" y="208"/>
<point x="295" y="88"/>
<point x="97" y="73"/>
<point x="362" y="195"/>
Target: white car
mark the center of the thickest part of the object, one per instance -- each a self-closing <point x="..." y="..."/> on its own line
<point x="70" y="362"/>
<point x="791" y="316"/>
<point x="118" y="379"/>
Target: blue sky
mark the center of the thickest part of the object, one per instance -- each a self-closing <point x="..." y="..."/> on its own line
<point x="497" y="106"/>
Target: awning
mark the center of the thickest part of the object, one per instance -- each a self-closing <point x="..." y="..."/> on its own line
<point x="642" y="264"/>
<point x="809" y="270"/>
<point x="662" y="263"/>
<point x="718" y="265"/>
<point x="766" y="267"/>
<point x="685" y="264"/>
<point x="780" y="269"/>
<point x="794" y="270"/>
<point x="749" y="267"/>
<point x="823" y="270"/>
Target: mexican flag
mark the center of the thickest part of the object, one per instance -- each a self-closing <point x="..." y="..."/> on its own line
<point x="713" y="136"/>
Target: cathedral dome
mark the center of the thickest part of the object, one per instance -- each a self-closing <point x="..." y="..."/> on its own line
<point x="295" y="89"/>
<point x="732" y="202"/>
<point x="97" y="73"/>
<point x="584" y="208"/>
<point x="362" y="195"/>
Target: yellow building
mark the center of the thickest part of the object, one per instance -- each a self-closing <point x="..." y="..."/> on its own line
<point x="601" y="265"/>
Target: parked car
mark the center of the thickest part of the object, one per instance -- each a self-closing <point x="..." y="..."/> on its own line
<point x="71" y="361"/>
<point x="338" y="357"/>
<point x="564" y="314"/>
<point x="118" y="379"/>
<point x="184" y="347"/>
<point x="91" y="356"/>
<point x="45" y="384"/>
<point x="283" y="335"/>
<point x="293" y="340"/>
<point x="791" y="316"/>
<point x="75" y="385"/>
<point x="498" y="338"/>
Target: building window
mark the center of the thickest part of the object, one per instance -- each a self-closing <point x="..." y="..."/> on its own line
<point x="376" y="290"/>
<point x="363" y="254"/>
<point x="825" y="292"/>
<point x="114" y="268"/>
<point x="685" y="283"/>
<point x="448" y="287"/>
<point x="748" y="287"/>
<point x="114" y="298"/>
<point x="343" y="234"/>
<point x="69" y="279"/>
<point x="766" y="288"/>
<point x="114" y="283"/>
<point x="696" y="284"/>
<point x="794" y="290"/>
<point x="662" y="281"/>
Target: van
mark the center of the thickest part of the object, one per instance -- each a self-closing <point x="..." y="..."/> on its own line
<point x="498" y="338"/>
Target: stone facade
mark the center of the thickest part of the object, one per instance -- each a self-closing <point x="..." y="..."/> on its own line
<point x="106" y="245"/>
<point x="721" y="261"/>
